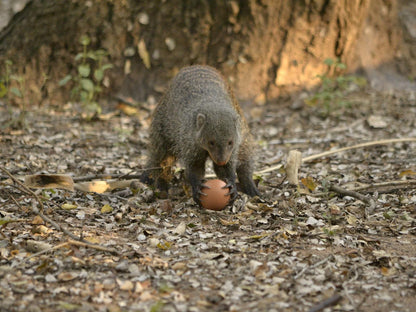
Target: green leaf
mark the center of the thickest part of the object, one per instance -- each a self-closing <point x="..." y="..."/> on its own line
<point x="106" y="66"/>
<point x="16" y="92"/>
<point x="360" y="81"/>
<point x="100" y="53"/>
<point x="341" y="66"/>
<point x="64" y="80"/>
<point x="93" y="107"/>
<point x="87" y="85"/>
<point x="79" y="56"/>
<point x="329" y="61"/>
<point x="3" y="90"/>
<point x="84" y="70"/>
<point x="98" y="89"/>
<point x="66" y="306"/>
<point x="16" y="78"/>
<point x="84" y="96"/>
<point x="5" y="221"/>
<point x="92" y="55"/>
<point x="311" y="101"/>
<point x="75" y="91"/>
<point x="97" y="108"/>
<point x="84" y="40"/>
<point x="157" y="307"/>
<point x="9" y="62"/>
<point x="99" y="74"/>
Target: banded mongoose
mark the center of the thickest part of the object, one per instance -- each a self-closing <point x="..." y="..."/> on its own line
<point x="199" y="117"/>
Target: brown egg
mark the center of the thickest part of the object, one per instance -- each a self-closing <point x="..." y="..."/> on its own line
<point x="216" y="198"/>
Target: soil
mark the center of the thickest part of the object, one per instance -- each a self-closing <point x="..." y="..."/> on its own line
<point x="289" y="250"/>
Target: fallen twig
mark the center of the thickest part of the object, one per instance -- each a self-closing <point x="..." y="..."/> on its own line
<point x="366" y="144"/>
<point x="44" y="251"/>
<point x="68" y="243"/>
<point x="389" y="185"/>
<point x="54" y="224"/>
<point x="37" y="211"/>
<point x="107" y="176"/>
<point x="326" y="303"/>
<point x="90" y="245"/>
<point x="327" y="153"/>
<point x="23" y="187"/>
<point x="354" y="194"/>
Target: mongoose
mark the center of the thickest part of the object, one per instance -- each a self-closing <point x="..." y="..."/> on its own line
<point x="199" y="117"/>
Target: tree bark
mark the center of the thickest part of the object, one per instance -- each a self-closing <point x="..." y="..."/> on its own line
<point x="266" y="48"/>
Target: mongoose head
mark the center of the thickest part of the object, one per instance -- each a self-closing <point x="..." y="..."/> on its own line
<point x="219" y="134"/>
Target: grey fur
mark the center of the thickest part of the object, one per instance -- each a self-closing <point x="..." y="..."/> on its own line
<point x="198" y="118"/>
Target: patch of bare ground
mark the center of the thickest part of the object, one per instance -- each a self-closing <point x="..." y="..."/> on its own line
<point x="295" y="249"/>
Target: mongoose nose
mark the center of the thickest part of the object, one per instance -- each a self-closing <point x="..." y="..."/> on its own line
<point x="221" y="163"/>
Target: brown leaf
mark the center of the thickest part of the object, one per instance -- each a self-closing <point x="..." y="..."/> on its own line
<point x="309" y="183"/>
<point x="67" y="276"/>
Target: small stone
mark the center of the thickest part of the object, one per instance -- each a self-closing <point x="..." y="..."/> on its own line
<point x="143" y="18"/>
<point x="170" y="43"/>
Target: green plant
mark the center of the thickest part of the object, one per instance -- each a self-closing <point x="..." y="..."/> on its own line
<point x="12" y="87"/>
<point x="334" y="83"/>
<point x="329" y="232"/>
<point x="88" y="83"/>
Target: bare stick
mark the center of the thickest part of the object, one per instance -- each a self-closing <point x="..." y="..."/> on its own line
<point x="326" y="303"/>
<point x="25" y="189"/>
<point x="44" y="251"/>
<point x="54" y="224"/>
<point x="372" y="143"/>
<point x="90" y="245"/>
<point x="66" y="244"/>
<point x="354" y="194"/>
<point x="392" y="185"/>
<point x="327" y="153"/>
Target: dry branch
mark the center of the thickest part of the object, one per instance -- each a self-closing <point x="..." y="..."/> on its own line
<point x="35" y="209"/>
<point x="327" y="153"/>
<point x="354" y="194"/>
<point x="326" y="303"/>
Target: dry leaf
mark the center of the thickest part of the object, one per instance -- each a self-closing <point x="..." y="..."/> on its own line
<point x="309" y="183"/>
<point x="50" y="181"/>
<point x="67" y="276"/>
<point x="68" y="206"/>
<point x="106" y="209"/>
<point x="143" y="53"/>
<point x="125" y="285"/>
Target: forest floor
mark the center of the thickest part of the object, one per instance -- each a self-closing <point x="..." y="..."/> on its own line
<point x="294" y="249"/>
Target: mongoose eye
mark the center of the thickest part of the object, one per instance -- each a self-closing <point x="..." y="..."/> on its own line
<point x="211" y="143"/>
<point x="230" y="143"/>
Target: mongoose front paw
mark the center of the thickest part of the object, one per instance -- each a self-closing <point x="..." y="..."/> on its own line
<point x="197" y="192"/>
<point x="232" y="190"/>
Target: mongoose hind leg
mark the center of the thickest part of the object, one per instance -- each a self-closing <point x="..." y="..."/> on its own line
<point x="155" y="173"/>
<point x="245" y="177"/>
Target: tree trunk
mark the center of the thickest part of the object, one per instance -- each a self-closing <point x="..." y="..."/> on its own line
<point x="265" y="47"/>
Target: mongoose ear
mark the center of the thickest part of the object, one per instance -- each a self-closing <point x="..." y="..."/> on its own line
<point x="200" y="121"/>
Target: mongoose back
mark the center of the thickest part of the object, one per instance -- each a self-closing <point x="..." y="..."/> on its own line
<point x="199" y="118"/>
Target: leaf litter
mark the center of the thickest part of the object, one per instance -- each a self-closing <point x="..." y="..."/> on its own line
<point x="298" y="248"/>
